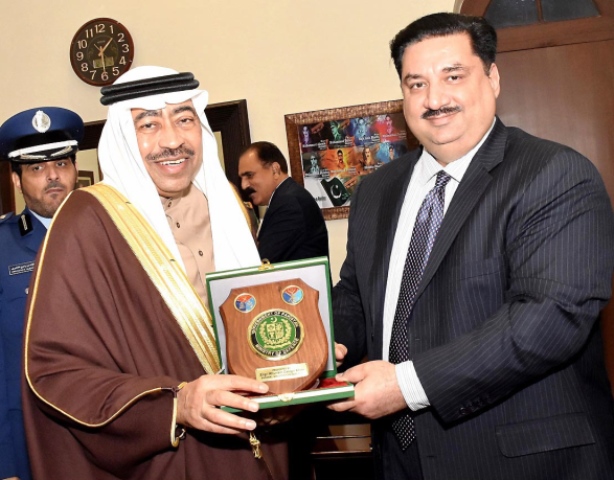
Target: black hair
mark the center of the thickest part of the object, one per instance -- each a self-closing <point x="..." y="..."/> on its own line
<point x="268" y="154"/>
<point x="483" y="36"/>
<point x="16" y="166"/>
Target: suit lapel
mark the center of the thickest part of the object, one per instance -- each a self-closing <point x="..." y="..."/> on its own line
<point x="470" y="190"/>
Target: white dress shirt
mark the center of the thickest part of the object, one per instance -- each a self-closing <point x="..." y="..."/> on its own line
<point x="421" y="182"/>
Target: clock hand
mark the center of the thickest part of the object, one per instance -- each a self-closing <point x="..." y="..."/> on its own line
<point x="107" y="44"/>
<point x="101" y="54"/>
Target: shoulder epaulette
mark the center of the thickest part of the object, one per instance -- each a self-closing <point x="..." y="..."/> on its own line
<point x="6" y="216"/>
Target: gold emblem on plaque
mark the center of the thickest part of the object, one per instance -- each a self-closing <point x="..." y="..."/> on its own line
<point x="275" y="334"/>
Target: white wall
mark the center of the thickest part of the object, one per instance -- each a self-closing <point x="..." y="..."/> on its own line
<point x="283" y="56"/>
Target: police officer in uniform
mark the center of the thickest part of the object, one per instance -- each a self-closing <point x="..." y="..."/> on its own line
<point x="41" y="145"/>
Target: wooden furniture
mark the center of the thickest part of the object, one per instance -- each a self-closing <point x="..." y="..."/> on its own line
<point x="342" y="448"/>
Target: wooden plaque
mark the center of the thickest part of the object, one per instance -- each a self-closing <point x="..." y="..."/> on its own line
<point x="274" y="333"/>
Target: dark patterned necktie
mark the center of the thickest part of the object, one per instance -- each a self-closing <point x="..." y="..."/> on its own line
<point x="423" y="236"/>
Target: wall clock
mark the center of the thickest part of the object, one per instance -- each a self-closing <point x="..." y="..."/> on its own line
<point x="101" y="51"/>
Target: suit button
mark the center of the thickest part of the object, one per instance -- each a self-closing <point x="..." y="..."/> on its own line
<point x="463" y="411"/>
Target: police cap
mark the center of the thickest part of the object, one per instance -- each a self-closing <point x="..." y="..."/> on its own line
<point x="40" y="135"/>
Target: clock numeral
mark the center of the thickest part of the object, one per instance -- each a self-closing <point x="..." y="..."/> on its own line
<point x="101" y="51"/>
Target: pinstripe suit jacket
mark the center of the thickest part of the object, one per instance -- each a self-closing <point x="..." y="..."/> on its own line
<point x="504" y="333"/>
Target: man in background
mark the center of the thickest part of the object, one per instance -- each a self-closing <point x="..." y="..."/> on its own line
<point x="475" y="272"/>
<point x="121" y="365"/>
<point x="41" y="146"/>
<point x="293" y="227"/>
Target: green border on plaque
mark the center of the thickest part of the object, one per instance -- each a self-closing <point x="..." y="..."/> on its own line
<point x="293" y="269"/>
<point x="306" y="396"/>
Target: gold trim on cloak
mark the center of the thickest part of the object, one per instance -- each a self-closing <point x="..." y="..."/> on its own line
<point x="27" y="344"/>
<point x="170" y="280"/>
<point x="165" y="272"/>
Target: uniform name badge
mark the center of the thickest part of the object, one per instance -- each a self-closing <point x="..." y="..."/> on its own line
<point x="274" y="333"/>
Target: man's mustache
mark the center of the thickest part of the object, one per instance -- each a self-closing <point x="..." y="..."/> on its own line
<point x="249" y="190"/>
<point x="170" y="153"/>
<point x="54" y="184"/>
<point x="440" y="111"/>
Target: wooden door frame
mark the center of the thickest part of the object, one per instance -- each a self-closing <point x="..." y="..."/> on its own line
<point x="591" y="29"/>
<point x="7" y="197"/>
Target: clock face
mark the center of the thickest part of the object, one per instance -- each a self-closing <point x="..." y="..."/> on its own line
<point x="101" y="51"/>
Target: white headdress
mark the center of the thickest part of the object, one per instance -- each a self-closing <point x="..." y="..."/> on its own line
<point x="123" y="168"/>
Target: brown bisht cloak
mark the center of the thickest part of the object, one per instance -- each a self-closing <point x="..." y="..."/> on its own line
<point x="102" y="354"/>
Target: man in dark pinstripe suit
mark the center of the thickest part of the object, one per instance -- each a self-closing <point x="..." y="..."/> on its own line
<point x="506" y="378"/>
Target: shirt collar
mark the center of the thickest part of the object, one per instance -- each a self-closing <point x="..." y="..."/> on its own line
<point x="427" y="167"/>
<point x="44" y="220"/>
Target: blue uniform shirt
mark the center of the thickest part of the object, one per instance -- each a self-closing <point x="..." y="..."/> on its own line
<point x="20" y="239"/>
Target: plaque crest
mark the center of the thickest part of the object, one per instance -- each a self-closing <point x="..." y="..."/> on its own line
<point x="275" y="334"/>
<point x="282" y="342"/>
<point x="245" y="302"/>
<point x="292" y="295"/>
